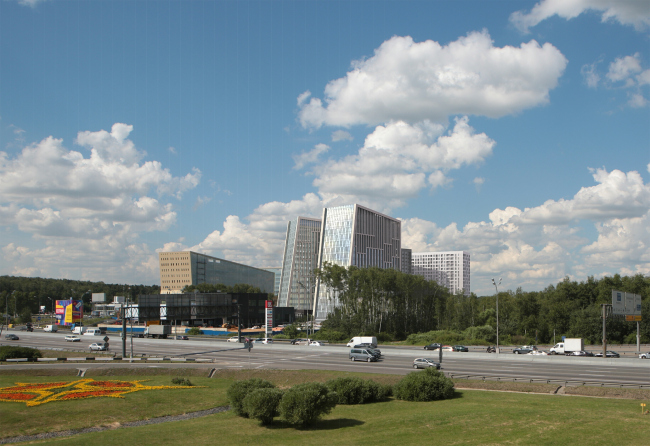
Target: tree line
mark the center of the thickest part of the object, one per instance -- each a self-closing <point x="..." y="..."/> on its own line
<point x="390" y="304"/>
<point x="21" y="294"/>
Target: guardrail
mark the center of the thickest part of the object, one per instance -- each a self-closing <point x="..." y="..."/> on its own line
<point x="566" y="382"/>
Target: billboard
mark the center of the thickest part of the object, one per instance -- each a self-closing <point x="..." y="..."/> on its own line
<point x="268" y="306"/>
<point x="99" y="298"/>
<point x="69" y="311"/>
<point x="626" y="304"/>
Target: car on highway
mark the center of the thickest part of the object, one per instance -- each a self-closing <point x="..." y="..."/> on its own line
<point x="644" y="355"/>
<point x="423" y="363"/>
<point x="608" y="354"/>
<point x="263" y="341"/>
<point x="182" y="337"/>
<point x="362" y="354"/>
<point x="434" y="346"/>
<point x="538" y="353"/>
<point x="374" y="351"/>
<point x="460" y="348"/>
<point x="97" y="347"/>
<point x="300" y="341"/>
<point x="316" y="344"/>
<point x="580" y="353"/>
<point x="233" y="339"/>
<point x="72" y="338"/>
<point x="524" y="349"/>
<point x="11" y="337"/>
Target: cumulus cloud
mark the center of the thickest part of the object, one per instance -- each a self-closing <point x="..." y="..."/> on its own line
<point x="541" y="245"/>
<point x="411" y="82"/>
<point x="626" y="12"/>
<point x="398" y="160"/>
<point x="311" y="157"/>
<point x="79" y="206"/>
<point x="341" y="135"/>
<point x="625" y="73"/>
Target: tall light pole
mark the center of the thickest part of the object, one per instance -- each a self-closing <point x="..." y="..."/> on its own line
<point x="497" y="292"/>
<point x="52" y="306"/>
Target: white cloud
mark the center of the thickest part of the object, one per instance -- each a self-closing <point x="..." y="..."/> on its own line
<point x="625" y="12"/>
<point x="411" y="82"/>
<point x="478" y="182"/>
<point x="623" y="68"/>
<point x="341" y="135"/>
<point x="30" y="3"/>
<point x="86" y="211"/>
<point x="590" y="75"/>
<point x="311" y="157"/>
<point x="398" y="160"/>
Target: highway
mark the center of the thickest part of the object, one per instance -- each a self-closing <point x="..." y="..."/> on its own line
<point x="397" y="360"/>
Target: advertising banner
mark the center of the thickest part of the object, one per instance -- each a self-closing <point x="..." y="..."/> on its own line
<point x="69" y="312"/>
<point x="268" y="304"/>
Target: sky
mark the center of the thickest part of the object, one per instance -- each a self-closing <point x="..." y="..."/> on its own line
<point x="518" y="131"/>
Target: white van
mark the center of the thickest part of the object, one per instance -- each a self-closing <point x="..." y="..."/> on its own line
<point x="51" y="328"/>
<point x="363" y="340"/>
<point x="79" y="330"/>
<point x="93" y="332"/>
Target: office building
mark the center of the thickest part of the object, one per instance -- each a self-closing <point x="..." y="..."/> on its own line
<point x="182" y="268"/>
<point x="299" y="261"/>
<point x="354" y="235"/>
<point x="450" y="269"/>
<point x="278" y="276"/>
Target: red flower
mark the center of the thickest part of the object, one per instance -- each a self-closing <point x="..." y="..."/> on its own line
<point x="17" y="396"/>
<point x="76" y="395"/>
<point x="110" y="384"/>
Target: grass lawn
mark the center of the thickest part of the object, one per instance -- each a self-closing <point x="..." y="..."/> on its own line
<point x="473" y="417"/>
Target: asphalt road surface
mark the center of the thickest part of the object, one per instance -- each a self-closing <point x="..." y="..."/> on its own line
<point x="396" y="360"/>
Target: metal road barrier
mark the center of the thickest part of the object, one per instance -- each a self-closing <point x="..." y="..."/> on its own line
<point x="565" y="382"/>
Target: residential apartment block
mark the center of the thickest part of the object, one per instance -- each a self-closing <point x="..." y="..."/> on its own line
<point x="450" y="269"/>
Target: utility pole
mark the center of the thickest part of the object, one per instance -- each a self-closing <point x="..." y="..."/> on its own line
<point x="605" y="308"/>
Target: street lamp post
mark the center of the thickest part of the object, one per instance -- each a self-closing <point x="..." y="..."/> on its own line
<point x="52" y="306"/>
<point x="497" y="292"/>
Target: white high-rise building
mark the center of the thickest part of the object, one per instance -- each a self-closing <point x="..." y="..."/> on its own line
<point x="355" y="235"/>
<point x="450" y="269"/>
<point x="297" y="279"/>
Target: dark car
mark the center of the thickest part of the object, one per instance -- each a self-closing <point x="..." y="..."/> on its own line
<point x="460" y="348"/>
<point x="609" y="354"/>
<point x="522" y="350"/>
<point x="434" y="346"/>
<point x="374" y="351"/>
<point x="182" y="337"/>
<point x="11" y="337"/>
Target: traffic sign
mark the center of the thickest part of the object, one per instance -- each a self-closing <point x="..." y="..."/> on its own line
<point x="106" y="338"/>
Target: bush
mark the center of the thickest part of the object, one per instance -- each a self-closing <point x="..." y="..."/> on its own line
<point x="182" y="382"/>
<point x="262" y="404"/>
<point x="358" y="391"/>
<point x="330" y="335"/>
<point x="194" y="331"/>
<point x="305" y="403"/>
<point x="10" y="352"/>
<point x="427" y="385"/>
<point x="239" y="389"/>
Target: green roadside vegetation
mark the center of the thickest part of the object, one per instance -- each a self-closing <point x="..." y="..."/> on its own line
<point x="471" y="417"/>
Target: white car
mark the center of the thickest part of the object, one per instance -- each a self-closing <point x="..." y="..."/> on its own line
<point x="96" y="346"/>
<point x="233" y="339"/>
<point x="72" y="338"/>
<point x="316" y="344"/>
<point x="263" y="341"/>
<point x="537" y="352"/>
<point x="644" y="355"/>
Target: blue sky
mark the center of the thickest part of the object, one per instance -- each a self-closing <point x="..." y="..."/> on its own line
<point x="518" y="131"/>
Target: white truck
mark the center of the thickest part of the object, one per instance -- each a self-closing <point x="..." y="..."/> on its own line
<point x="158" y="331"/>
<point x="569" y="345"/>
<point x="363" y="340"/>
<point x="51" y="328"/>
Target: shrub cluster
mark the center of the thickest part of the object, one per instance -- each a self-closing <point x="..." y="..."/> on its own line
<point x="240" y="389"/>
<point x="427" y="385"/>
<point x="262" y="404"/>
<point x="305" y="403"/>
<point x="194" y="331"/>
<point x="11" y="352"/>
<point x="358" y="391"/>
<point x="182" y="381"/>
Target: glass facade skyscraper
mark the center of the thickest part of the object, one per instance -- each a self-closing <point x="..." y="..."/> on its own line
<point x="300" y="258"/>
<point x="355" y="235"/>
